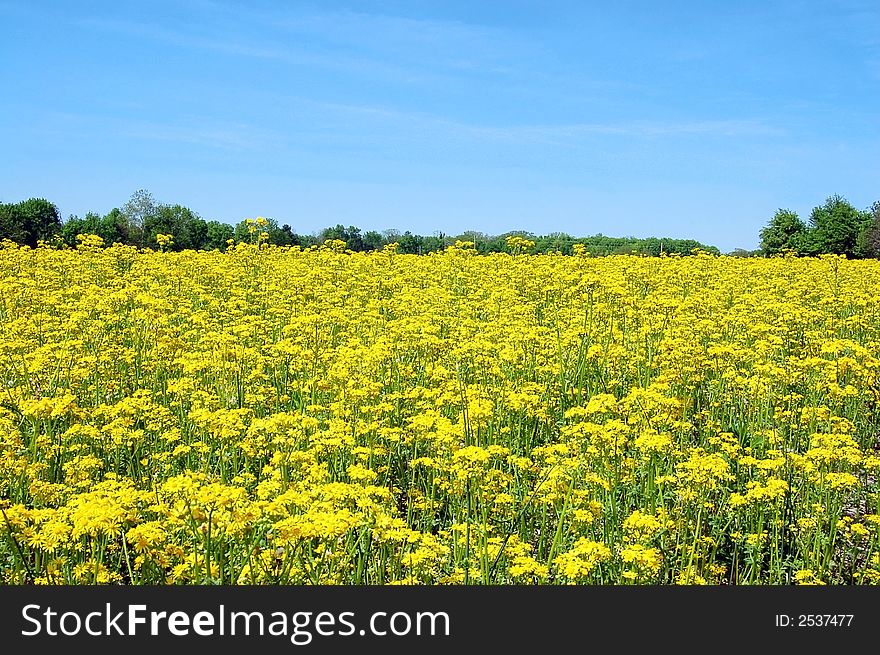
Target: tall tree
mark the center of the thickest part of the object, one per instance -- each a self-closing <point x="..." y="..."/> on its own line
<point x="140" y="208"/>
<point x="11" y="226"/>
<point x="836" y="226"/>
<point x="351" y="235"/>
<point x="373" y="240"/>
<point x="283" y="236"/>
<point x="409" y="243"/>
<point x="869" y="239"/>
<point x="30" y="221"/>
<point x="218" y="235"/>
<point x="784" y="232"/>
<point x="74" y="226"/>
<point x="190" y="232"/>
<point x="115" y="228"/>
<point x="279" y="235"/>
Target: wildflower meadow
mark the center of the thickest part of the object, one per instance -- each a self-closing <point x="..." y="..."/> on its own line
<point x="279" y="415"/>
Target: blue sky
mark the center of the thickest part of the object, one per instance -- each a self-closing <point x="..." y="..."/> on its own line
<point x="685" y="119"/>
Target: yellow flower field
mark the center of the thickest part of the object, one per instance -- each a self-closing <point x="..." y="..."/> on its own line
<point x="271" y="415"/>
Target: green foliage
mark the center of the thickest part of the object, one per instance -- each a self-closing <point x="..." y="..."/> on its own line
<point x="435" y="242"/>
<point x="742" y="252"/>
<point x="410" y="244"/>
<point x="835" y="227"/>
<point x="75" y="226"/>
<point x="284" y="236"/>
<point x="373" y="240"/>
<point x="351" y="235"/>
<point x="11" y="226"/>
<point x="190" y="232"/>
<point x="869" y="240"/>
<point x="30" y="221"/>
<point x="140" y="209"/>
<point x="142" y="218"/>
<point x="785" y="231"/>
<point x="113" y="227"/>
<point x="275" y="234"/>
<point x="218" y="235"/>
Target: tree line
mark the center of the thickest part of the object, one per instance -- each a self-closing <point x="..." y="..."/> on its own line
<point x="142" y="219"/>
<point x="834" y="227"/>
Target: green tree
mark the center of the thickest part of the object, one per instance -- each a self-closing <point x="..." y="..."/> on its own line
<point x="241" y="232"/>
<point x="836" y="226"/>
<point x="480" y="240"/>
<point x="436" y="242"/>
<point x="41" y="218"/>
<point x="11" y="226"/>
<point x="282" y="236"/>
<point x="139" y="209"/>
<point x="869" y="239"/>
<point x="409" y="243"/>
<point x="785" y="231"/>
<point x="29" y="221"/>
<point x="74" y="226"/>
<point x="115" y="228"/>
<point x="275" y="234"/>
<point x="554" y="242"/>
<point x="218" y="235"/>
<point x="373" y="240"/>
<point x="351" y="235"/>
<point x="112" y="227"/>
<point x="189" y="230"/>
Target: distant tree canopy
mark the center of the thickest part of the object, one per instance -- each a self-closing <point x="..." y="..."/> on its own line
<point x="30" y="221"/>
<point x="218" y="235"/>
<point x="785" y="231"/>
<point x="277" y="235"/>
<point x="112" y="227"/>
<point x="835" y="227"/>
<point x="188" y="230"/>
<point x="869" y="241"/>
<point x="141" y="220"/>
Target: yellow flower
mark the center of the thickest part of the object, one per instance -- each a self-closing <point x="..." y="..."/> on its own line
<point x="581" y="561"/>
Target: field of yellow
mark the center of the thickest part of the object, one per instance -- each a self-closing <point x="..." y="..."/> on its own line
<point x="272" y="415"/>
